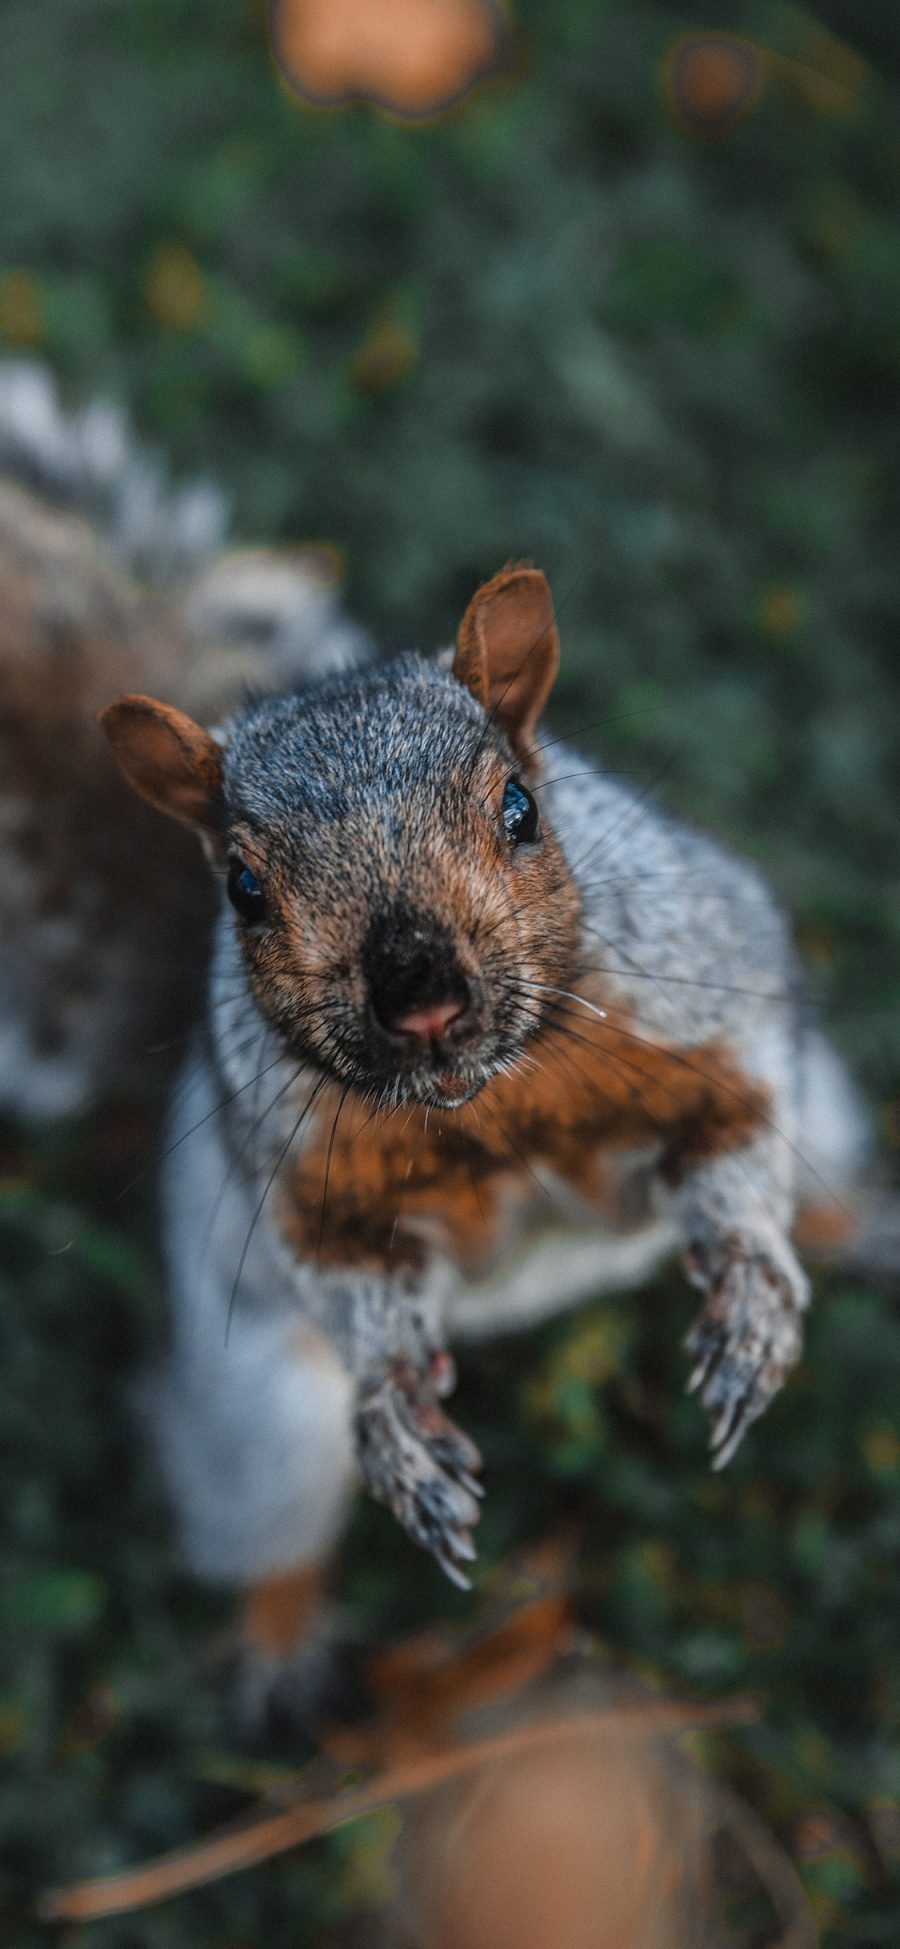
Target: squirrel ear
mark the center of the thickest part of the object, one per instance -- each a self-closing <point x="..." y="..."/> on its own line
<point x="167" y="759"/>
<point x="507" y="652"/>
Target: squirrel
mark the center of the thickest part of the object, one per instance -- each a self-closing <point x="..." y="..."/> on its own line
<point x="451" y="986"/>
<point x="447" y="981"/>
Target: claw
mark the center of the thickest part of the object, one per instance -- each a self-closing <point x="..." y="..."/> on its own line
<point x="451" y="1568"/>
<point x="455" y="1452"/>
<point x="730" y="1447"/>
<point x="744" y="1343"/>
<point x="722" y="1425"/>
<point x="461" y="1511"/>
<point x="723" y="1384"/>
<point x="419" y="1463"/>
<point x="728" y="1429"/>
<point x="442" y="1374"/>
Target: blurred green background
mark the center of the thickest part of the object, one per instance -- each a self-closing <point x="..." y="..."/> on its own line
<point x="553" y="324"/>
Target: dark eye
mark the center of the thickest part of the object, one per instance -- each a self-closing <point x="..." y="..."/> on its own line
<point x="520" y="813"/>
<point x="245" y="892"/>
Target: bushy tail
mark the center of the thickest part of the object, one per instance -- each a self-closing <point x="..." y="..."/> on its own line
<point x="115" y="581"/>
<point x="274" y="613"/>
<point x="88" y="462"/>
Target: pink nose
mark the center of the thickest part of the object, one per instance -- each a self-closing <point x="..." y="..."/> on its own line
<point x="429" y="1023"/>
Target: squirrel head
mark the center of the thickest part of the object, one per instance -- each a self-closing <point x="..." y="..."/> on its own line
<point x="400" y="900"/>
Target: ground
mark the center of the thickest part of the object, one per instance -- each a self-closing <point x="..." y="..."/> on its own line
<point x="566" y="324"/>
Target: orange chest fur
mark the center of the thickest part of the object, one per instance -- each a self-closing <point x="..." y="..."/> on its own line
<point x="383" y="1190"/>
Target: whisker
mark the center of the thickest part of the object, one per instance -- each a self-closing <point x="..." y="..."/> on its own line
<point x="268" y="1186"/>
<point x="584" y="771"/>
<point x="624" y="1068"/>
<point x="328" y="1156"/>
<point x="515" y="1151"/>
<point x="598" y="724"/>
<point x="156" y="1161"/>
<point x="679" y="1057"/>
<point x="239" y="1154"/>
<point x="792" y="998"/>
<point x="636" y="809"/>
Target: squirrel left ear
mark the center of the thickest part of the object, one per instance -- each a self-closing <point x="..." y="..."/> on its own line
<point x="170" y="760"/>
<point x="507" y="652"/>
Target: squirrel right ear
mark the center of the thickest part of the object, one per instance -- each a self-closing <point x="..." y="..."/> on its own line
<point x="507" y="652"/>
<point x="168" y="759"/>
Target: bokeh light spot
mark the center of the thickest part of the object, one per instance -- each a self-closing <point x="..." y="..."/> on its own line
<point x="411" y="57"/>
<point x="780" y="610"/>
<point x="21" y="321"/>
<point x="175" y="289"/>
<point x="881" y="1447"/>
<point x="384" y="358"/>
<point x="711" y="80"/>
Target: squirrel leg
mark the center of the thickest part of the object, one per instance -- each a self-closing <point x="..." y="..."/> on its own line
<point x="410" y="1455"/>
<point x="749" y="1333"/>
<point x="255" y="1442"/>
<point x="417" y="1461"/>
<point x="285" y="1653"/>
<point x="747" y="1337"/>
<point x="297" y="1666"/>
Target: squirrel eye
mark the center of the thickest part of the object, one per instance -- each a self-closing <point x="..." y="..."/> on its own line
<point x="245" y="892"/>
<point x="520" y="813"/>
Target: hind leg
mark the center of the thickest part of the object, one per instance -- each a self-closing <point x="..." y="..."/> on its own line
<point x="290" y="1666"/>
<point x="845" y="1216"/>
<point x="254" y="1439"/>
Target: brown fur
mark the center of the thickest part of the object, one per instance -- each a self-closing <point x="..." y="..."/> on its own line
<point x="510" y="917"/>
<point x="401" y="1180"/>
<point x="280" y="1611"/>
<point x="168" y="759"/>
<point x="824" y="1230"/>
<point x="507" y="652"/>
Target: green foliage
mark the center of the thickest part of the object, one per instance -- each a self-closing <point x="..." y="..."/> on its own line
<point x="550" y="325"/>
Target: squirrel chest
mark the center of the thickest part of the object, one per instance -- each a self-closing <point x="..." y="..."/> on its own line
<point x="383" y="1189"/>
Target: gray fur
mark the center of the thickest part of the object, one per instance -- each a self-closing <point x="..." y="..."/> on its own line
<point x="87" y="461"/>
<point x="353" y="775"/>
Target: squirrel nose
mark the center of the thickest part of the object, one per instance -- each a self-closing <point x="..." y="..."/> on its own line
<point x="429" y="1023"/>
<point x="419" y="999"/>
<point x="418" y="1016"/>
<point x="418" y="990"/>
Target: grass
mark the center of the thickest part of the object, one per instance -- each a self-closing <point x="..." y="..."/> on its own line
<point x="667" y="370"/>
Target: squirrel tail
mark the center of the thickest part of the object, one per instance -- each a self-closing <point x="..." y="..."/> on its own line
<point x="87" y="461"/>
<point x="116" y="581"/>
<point x="273" y="613"/>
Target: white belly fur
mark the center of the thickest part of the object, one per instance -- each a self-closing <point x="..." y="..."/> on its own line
<point x="555" y="1269"/>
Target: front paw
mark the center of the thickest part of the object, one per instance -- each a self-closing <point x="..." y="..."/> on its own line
<point x="418" y="1462"/>
<point x="748" y="1336"/>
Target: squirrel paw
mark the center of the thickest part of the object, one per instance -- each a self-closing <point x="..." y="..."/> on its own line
<point x="747" y="1338"/>
<point x="418" y="1462"/>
